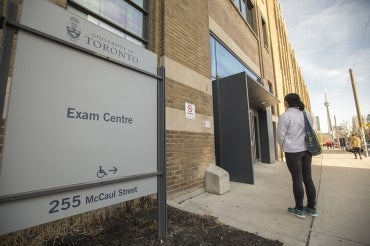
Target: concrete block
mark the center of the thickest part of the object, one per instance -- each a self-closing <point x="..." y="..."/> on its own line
<point x="217" y="180"/>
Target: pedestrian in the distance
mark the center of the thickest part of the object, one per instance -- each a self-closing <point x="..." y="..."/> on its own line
<point x="356" y="146"/>
<point x="291" y="137"/>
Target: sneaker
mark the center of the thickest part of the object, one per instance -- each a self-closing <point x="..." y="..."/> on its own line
<point x="297" y="212"/>
<point x="311" y="211"/>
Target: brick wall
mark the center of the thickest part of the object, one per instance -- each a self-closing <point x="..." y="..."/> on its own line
<point x="179" y="31"/>
<point x="177" y="93"/>
<point x="188" y="156"/>
<point x="156" y="27"/>
<point x="188" y="153"/>
<point x="186" y="34"/>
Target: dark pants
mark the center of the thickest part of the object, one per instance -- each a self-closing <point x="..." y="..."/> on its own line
<point x="299" y="165"/>
<point x="357" y="150"/>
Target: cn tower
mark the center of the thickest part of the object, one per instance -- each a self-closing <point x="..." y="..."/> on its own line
<point x="330" y="129"/>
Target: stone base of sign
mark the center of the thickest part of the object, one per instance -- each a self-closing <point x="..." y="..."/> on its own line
<point x="217" y="180"/>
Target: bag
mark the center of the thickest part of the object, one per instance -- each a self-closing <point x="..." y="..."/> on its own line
<point x="312" y="143"/>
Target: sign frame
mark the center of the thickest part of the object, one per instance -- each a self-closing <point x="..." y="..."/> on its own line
<point x="10" y="27"/>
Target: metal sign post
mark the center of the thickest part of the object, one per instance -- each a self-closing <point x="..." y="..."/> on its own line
<point x="162" y="191"/>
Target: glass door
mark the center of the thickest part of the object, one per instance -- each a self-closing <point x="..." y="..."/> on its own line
<point x="255" y="139"/>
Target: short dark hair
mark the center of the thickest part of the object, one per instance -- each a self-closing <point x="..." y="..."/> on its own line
<point x="294" y="100"/>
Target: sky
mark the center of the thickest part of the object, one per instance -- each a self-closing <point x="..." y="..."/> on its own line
<point x="329" y="37"/>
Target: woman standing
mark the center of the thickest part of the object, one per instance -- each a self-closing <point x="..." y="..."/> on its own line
<point x="356" y="145"/>
<point x="291" y="137"/>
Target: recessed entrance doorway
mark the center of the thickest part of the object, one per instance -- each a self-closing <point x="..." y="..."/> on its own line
<point x="243" y="126"/>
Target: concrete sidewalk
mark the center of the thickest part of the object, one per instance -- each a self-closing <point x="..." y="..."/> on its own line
<point x="343" y="185"/>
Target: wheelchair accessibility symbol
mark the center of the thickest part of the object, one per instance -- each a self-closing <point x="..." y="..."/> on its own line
<point x="102" y="173"/>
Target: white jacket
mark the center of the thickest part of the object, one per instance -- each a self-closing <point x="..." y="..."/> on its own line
<point x="291" y="130"/>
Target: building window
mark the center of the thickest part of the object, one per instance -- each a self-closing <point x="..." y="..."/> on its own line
<point x="247" y="10"/>
<point x="265" y="35"/>
<point x="224" y="63"/>
<point x="271" y="90"/>
<point x="123" y="17"/>
<point x="250" y="14"/>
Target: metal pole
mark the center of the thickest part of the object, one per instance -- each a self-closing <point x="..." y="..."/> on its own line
<point x="358" y="112"/>
<point x="161" y="181"/>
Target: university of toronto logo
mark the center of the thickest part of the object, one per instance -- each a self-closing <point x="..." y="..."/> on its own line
<point x="73" y="29"/>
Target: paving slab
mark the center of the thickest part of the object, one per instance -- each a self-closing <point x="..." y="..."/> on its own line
<point x="343" y="202"/>
<point x="343" y="185"/>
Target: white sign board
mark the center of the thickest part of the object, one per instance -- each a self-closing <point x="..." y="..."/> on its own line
<point x="189" y="111"/>
<point x="21" y="214"/>
<point x="75" y="119"/>
<point x="206" y="124"/>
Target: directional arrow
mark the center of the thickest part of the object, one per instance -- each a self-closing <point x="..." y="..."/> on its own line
<point x="114" y="170"/>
